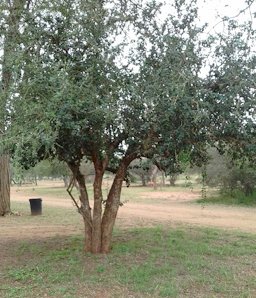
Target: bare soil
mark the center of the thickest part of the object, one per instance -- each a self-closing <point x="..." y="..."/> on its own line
<point x="167" y="207"/>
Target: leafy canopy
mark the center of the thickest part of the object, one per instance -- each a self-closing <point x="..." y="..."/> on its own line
<point x="113" y="79"/>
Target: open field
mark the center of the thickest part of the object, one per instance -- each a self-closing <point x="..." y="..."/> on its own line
<point x="164" y="245"/>
<point x="168" y="204"/>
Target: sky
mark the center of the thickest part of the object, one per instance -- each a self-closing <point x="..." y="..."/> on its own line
<point x="211" y="10"/>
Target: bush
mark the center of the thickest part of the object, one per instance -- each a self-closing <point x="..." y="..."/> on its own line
<point x="242" y="179"/>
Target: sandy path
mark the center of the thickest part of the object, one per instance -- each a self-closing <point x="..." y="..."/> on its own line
<point x="242" y="219"/>
<point x="176" y="207"/>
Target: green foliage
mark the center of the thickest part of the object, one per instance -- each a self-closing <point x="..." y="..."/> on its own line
<point x="229" y="176"/>
<point x="242" y="179"/>
<point x="108" y="79"/>
<point x="44" y="169"/>
<point x="142" y="169"/>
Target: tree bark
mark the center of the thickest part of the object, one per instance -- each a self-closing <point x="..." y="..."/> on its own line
<point x="98" y="228"/>
<point x="97" y="212"/>
<point x="111" y="209"/>
<point x="5" y="206"/>
<point x="66" y="181"/>
<point x="163" y="178"/>
<point x="154" y="176"/>
<point x="84" y="209"/>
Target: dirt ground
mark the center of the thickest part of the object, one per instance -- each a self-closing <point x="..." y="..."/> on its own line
<point x="168" y="207"/>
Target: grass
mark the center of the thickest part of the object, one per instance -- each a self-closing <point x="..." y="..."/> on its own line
<point x="144" y="262"/>
<point x="238" y="198"/>
<point x="57" y="216"/>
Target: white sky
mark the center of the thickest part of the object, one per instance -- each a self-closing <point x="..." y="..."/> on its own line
<point x="211" y="11"/>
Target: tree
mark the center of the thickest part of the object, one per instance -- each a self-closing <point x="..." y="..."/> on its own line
<point x="230" y="175"/>
<point x="109" y="82"/>
<point x="242" y="179"/>
<point x="172" y="179"/>
<point x="141" y="168"/>
<point x="44" y="169"/>
<point x="231" y="82"/>
<point x="11" y="12"/>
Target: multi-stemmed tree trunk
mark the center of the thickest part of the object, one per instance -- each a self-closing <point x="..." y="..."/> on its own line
<point x="99" y="223"/>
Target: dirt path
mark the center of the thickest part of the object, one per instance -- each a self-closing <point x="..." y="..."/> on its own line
<point x="175" y="207"/>
<point x="242" y="219"/>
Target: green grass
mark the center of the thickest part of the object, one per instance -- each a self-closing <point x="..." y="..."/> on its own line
<point x="236" y="199"/>
<point x="144" y="262"/>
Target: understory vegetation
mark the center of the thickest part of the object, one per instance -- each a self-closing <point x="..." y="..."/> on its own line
<point x="236" y="198"/>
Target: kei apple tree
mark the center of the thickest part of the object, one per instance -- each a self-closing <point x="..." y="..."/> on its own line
<point x="114" y="81"/>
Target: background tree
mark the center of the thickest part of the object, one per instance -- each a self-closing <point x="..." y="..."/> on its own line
<point x="46" y="169"/>
<point x="173" y="178"/>
<point x="109" y="82"/>
<point x="10" y="16"/>
<point x="141" y="168"/>
<point x="230" y="176"/>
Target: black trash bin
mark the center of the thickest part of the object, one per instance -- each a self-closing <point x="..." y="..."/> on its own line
<point x="36" y="206"/>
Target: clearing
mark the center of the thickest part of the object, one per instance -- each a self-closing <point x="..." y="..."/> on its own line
<point x="168" y="242"/>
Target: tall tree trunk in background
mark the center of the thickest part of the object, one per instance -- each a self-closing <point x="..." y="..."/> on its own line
<point x="10" y="39"/>
<point x="5" y="207"/>
<point x="143" y="179"/>
<point x="154" y="176"/>
<point x="163" y="178"/>
<point x="173" y="178"/>
<point x="66" y="180"/>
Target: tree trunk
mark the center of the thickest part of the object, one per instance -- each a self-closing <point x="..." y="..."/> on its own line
<point x="98" y="228"/>
<point x="5" y="207"/>
<point x="66" y="180"/>
<point x="111" y="209"/>
<point x="154" y="176"/>
<point x="163" y="178"/>
<point x="97" y="212"/>
<point x="84" y="209"/>
<point x="173" y="178"/>
<point x="143" y="180"/>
